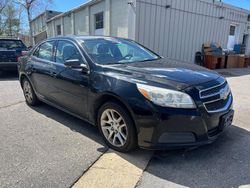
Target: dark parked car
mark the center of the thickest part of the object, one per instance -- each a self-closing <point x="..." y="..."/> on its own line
<point x="133" y="95"/>
<point x="10" y="51"/>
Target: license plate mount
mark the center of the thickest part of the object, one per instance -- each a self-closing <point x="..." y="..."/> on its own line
<point x="226" y="120"/>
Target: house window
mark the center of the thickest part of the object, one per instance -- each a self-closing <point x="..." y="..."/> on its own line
<point x="232" y="30"/>
<point x="58" y="30"/>
<point x="99" y="20"/>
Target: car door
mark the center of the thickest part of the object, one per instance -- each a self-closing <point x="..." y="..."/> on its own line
<point x="70" y="86"/>
<point x="39" y="68"/>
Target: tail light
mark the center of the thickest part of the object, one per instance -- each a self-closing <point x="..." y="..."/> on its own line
<point x="18" y="58"/>
<point x="23" y="53"/>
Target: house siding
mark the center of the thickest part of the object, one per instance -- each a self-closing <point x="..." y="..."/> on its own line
<point x="172" y="28"/>
<point x="180" y="30"/>
<point x="119" y="18"/>
<point x="81" y="21"/>
<point x="39" y="25"/>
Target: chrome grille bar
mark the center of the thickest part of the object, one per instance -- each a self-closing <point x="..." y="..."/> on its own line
<point x="207" y="89"/>
<point x="228" y="104"/>
<point x="220" y="98"/>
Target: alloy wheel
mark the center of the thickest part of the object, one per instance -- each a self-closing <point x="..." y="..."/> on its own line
<point x="114" y="127"/>
<point x="27" y="91"/>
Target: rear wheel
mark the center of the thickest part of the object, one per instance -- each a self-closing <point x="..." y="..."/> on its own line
<point x="29" y="94"/>
<point x="117" y="127"/>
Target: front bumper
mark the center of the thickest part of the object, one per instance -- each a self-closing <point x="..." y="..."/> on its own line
<point x="8" y="65"/>
<point x="177" y="128"/>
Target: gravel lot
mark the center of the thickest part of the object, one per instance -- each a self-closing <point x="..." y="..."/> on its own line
<point x="44" y="147"/>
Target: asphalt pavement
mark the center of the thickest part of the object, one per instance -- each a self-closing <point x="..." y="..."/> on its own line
<point x="42" y="146"/>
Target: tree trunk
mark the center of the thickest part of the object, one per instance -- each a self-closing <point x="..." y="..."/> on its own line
<point x="31" y="29"/>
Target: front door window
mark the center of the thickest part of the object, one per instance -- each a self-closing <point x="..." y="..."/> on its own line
<point x="66" y="51"/>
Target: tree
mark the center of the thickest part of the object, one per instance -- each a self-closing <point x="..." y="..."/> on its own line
<point x="3" y="4"/>
<point x="31" y="7"/>
<point x="12" y="22"/>
<point x="9" y="20"/>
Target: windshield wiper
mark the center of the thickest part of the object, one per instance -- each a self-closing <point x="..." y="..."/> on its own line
<point x="117" y="63"/>
<point x="145" y="60"/>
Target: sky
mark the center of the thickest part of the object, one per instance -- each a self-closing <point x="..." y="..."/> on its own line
<point x="65" y="5"/>
<point x="239" y="3"/>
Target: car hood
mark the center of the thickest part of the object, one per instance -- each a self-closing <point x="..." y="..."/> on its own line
<point x="167" y="72"/>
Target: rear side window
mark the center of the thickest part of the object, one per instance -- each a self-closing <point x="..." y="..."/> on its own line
<point x="11" y="44"/>
<point x="45" y="51"/>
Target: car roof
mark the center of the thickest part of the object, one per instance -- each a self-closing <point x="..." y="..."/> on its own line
<point x="83" y="37"/>
<point x="10" y="39"/>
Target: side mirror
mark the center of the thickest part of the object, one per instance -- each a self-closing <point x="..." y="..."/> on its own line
<point x="75" y="63"/>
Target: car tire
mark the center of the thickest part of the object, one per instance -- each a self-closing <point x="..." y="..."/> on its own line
<point x="117" y="127"/>
<point x="29" y="94"/>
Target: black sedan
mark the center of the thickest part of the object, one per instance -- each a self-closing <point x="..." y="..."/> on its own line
<point x="133" y="95"/>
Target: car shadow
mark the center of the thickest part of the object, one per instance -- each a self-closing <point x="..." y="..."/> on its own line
<point x="224" y="163"/>
<point x="8" y="75"/>
<point x="73" y="123"/>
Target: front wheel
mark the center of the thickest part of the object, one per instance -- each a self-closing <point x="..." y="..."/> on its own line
<point x="116" y="127"/>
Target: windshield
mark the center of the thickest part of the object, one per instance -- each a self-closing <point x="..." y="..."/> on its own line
<point x="117" y="51"/>
<point x="11" y="44"/>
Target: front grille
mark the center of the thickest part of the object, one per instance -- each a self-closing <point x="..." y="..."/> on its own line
<point x="214" y="106"/>
<point x="212" y="91"/>
<point x="217" y="98"/>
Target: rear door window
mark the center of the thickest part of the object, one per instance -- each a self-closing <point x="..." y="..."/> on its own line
<point x="45" y="51"/>
<point x="11" y="44"/>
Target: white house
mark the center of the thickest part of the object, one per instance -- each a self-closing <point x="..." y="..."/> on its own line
<point x="39" y="25"/>
<point x="173" y="28"/>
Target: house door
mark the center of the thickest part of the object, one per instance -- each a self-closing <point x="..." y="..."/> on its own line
<point x="232" y="38"/>
<point x="245" y="42"/>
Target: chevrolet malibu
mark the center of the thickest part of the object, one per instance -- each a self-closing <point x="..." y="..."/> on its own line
<point x="134" y="96"/>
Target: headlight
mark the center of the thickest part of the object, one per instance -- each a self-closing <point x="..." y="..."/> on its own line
<point x="166" y="97"/>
